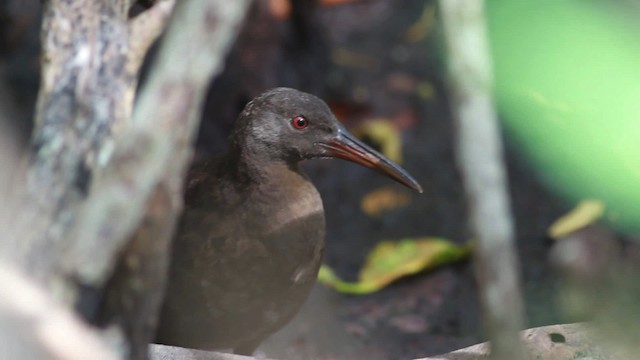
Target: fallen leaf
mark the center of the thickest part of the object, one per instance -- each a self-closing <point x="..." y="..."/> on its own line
<point x="327" y="277"/>
<point x="421" y="28"/>
<point x="383" y="132"/>
<point x="426" y="90"/>
<point x="404" y="119"/>
<point x="390" y="260"/>
<point x="382" y="200"/>
<point x="352" y="59"/>
<point x="401" y="82"/>
<point x="585" y="213"/>
<point x="281" y="9"/>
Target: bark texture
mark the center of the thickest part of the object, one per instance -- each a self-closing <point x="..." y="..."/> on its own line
<point x="553" y="342"/>
<point x="102" y="187"/>
<point x="85" y="100"/>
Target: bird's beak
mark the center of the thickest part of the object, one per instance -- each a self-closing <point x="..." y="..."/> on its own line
<point x="346" y="146"/>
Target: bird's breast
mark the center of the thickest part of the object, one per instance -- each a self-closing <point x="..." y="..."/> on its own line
<point x="298" y="206"/>
<point x="296" y="223"/>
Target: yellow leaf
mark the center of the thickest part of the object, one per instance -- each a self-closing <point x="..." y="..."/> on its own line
<point x="389" y="261"/>
<point x="585" y="213"/>
<point x="426" y="90"/>
<point x="327" y="277"/>
<point x="383" y="132"/>
<point x="424" y="25"/>
<point x="383" y="199"/>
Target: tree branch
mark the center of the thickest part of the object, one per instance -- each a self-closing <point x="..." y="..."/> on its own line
<point x="34" y="327"/>
<point x="139" y="190"/>
<point x="479" y="151"/>
<point x="102" y="192"/>
<point x="144" y="29"/>
<point x="156" y="148"/>
<point x="82" y="90"/>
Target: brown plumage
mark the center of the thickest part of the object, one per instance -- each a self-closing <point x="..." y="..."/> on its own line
<point x="251" y="238"/>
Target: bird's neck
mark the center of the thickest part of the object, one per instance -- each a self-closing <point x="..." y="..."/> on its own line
<point x="258" y="166"/>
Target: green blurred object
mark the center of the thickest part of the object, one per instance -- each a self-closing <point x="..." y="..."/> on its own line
<point x="391" y="260"/>
<point x="568" y="89"/>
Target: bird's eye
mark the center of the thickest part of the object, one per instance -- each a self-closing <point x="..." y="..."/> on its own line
<point x="300" y="122"/>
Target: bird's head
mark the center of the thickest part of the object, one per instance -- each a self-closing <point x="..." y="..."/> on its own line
<point x="289" y="125"/>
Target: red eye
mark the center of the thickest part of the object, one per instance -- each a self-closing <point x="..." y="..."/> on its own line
<point x="300" y="122"/>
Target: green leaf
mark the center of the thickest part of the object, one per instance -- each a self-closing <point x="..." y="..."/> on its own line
<point x="390" y="260"/>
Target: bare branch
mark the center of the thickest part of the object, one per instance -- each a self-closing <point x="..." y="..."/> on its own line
<point x="157" y="145"/>
<point x="139" y="190"/>
<point x="479" y="150"/>
<point x="99" y="186"/>
<point x="82" y="99"/>
<point x="34" y="327"/>
<point x="145" y="29"/>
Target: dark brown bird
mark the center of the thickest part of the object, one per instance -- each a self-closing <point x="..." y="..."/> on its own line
<point x="251" y="238"/>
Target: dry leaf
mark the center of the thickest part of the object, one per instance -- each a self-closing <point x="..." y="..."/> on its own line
<point x="382" y="200"/>
<point x="421" y="28"/>
<point x="383" y="132"/>
<point x="585" y="213"/>
<point x="352" y="59"/>
<point x="281" y="9"/>
<point x="426" y="90"/>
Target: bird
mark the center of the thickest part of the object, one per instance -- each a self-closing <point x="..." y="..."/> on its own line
<point x="250" y="240"/>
